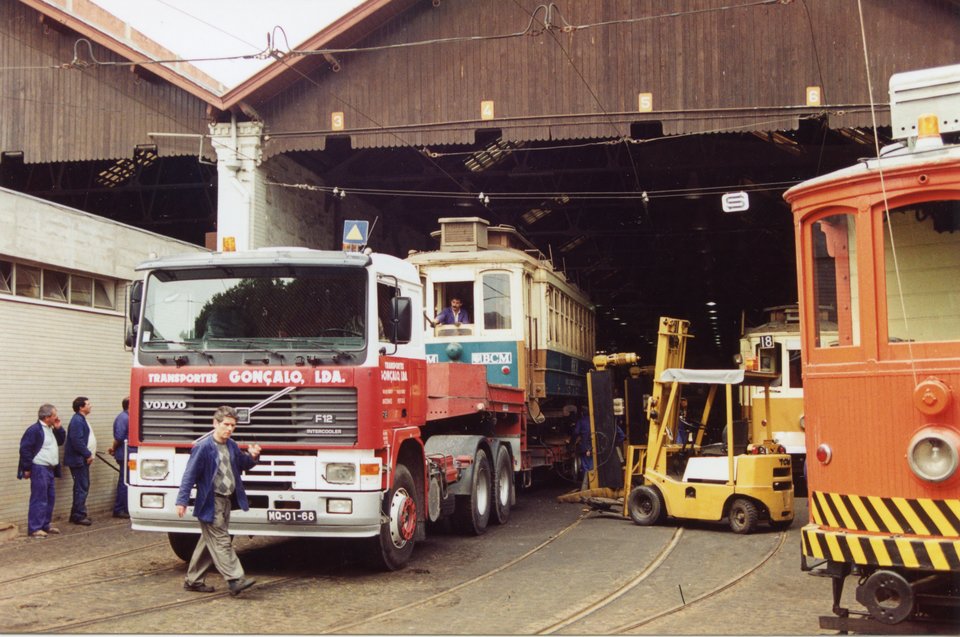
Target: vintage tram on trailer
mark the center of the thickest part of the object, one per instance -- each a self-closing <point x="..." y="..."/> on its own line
<point x="530" y="327"/>
<point x="879" y="244"/>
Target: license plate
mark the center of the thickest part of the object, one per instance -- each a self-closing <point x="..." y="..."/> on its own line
<point x="288" y="517"/>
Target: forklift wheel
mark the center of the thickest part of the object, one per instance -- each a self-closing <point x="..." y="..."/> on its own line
<point x="645" y="506"/>
<point x="743" y="516"/>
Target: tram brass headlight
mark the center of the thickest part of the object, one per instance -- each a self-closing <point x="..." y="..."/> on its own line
<point x="153" y="469"/>
<point x="933" y="454"/>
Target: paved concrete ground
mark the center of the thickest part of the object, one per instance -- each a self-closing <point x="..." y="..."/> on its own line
<point x="542" y="572"/>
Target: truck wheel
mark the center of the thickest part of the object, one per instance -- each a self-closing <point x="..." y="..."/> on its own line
<point x="183" y="544"/>
<point x="644" y="506"/>
<point x="743" y="516"/>
<point x="473" y="511"/>
<point x="392" y="549"/>
<point x="503" y="486"/>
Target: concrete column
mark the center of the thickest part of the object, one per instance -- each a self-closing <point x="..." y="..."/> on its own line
<point x="239" y="151"/>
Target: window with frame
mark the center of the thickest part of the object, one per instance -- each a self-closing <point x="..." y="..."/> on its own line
<point x="496" y="301"/>
<point x="921" y="262"/>
<point x="6" y="277"/>
<point x="57" y="286"/>
<point x="835" y="281"/>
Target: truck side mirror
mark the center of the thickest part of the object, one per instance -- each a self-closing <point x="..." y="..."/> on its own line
<point x="401" y="318"/>
<point x="136" y="300"/>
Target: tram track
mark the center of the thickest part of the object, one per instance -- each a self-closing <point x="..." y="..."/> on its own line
<point x="652" y="567"/>
<point x="633" y="625"/>
<point x="60" y="569"/>
<point x="339" y="628"/>
<point x="206" y="598"/>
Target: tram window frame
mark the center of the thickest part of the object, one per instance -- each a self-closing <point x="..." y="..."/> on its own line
<point x="463" y="289"/>
<point x="821" y="265"/>
<point x="795" y="368"/>
<point x="898" y="336"/>
<point x="509" y="297"/>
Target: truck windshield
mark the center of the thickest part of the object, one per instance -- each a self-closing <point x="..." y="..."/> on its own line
<point x="275" y="308"/>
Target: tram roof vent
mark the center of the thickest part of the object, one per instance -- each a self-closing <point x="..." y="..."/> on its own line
<point x="463" y="234"/>
<point x="917" y="93"/>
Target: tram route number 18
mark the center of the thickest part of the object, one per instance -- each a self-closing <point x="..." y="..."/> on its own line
<point x="766" y="341"/>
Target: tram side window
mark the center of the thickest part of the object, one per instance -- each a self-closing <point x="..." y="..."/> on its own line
<point x="921" y="262"/>
<point x="835" y="281"/>
<point x="796" y="368"/>
<point x="496" y="301"/>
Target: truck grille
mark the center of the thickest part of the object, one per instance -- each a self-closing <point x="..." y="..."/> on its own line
<point x="306" y="415"/>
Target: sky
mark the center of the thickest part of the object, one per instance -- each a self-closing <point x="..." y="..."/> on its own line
<point x="216" y="28"/>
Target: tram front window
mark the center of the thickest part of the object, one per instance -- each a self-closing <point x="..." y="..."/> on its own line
<point x="922" y="258"/>
<point x="453" y="314"/>
<point x="835" y="281"/>
<point x="496" y="301"/>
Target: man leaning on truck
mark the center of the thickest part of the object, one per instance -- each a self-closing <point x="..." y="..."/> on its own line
<point x="214" y="467"/>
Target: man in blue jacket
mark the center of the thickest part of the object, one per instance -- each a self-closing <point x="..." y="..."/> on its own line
<point x="78" y="455"/>
<point x="214" y="467"/>
<point x="40" y="463"/>
<point x="121" y="429"/>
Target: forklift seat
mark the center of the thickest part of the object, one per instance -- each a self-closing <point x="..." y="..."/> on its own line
<point x="740" y="429"/>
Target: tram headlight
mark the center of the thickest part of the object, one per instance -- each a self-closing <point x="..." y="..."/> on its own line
<point x="933" y="454"/>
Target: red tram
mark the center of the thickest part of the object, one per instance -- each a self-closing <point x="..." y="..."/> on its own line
<point x="879" y="244"/>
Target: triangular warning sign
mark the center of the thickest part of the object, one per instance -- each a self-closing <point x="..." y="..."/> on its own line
<point x="354" y="234"/>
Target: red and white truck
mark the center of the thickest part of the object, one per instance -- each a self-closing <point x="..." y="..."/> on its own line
<point x="322" y="354"/>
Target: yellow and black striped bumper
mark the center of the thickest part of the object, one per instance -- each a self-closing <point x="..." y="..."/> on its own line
<point x="869" y="530"/>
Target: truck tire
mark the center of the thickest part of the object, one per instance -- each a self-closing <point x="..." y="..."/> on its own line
<point x="743" y="516"/>
<point x="503" y="493"/>
<point x="645" y="506"/>
<point x="473" y="511"/>
<point x="392" y="548"/>
<point x="183" y="544"/>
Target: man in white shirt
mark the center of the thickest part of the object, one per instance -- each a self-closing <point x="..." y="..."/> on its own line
<point x="40" y="463"/>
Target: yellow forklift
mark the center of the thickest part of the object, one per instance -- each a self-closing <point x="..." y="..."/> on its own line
<point x="682" y="478"/>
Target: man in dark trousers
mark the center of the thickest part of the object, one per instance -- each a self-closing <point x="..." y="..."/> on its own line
<point x="121" y="428"/>
<point x="78" y="455"/>
<point x="40" y="463"/>
<point x="214" y="467"/>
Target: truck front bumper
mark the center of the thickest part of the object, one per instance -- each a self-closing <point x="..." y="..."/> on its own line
<point x="154" y="509"/>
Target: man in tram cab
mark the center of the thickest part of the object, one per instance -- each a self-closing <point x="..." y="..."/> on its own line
<point x="453" y="315"/>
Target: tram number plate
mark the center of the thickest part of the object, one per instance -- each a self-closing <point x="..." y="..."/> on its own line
<point x="284" y="517"/>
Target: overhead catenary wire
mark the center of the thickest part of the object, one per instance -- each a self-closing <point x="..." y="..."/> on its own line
<point x="539" y="196"/>
<point x="533" y="28"/>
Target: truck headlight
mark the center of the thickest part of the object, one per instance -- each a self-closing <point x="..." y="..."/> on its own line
<point x="151" y="500"/>
<point x="340" y="473"/>
<point x="932" y="454"/>
<point x="154" y="469"/>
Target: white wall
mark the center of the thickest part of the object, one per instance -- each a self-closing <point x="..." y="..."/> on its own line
<point x="52" y="352"/>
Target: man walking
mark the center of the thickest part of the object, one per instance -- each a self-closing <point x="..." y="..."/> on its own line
<point x="214" y="467"/>
<point x="121" y="429"/>
<point x="80" y="447"/>
<point x="40" y="463"/>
